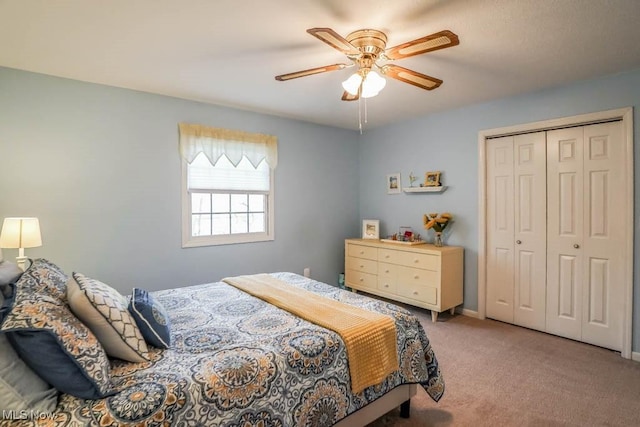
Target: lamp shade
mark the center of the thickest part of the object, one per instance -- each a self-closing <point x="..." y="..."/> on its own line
<point x="20" y="233"/>
<point x="352" y="84"/>
<point x="373" y="84"/>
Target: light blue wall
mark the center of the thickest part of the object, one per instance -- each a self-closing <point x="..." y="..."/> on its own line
<point x="448" y="142"/>
<point x="100" y="167"/>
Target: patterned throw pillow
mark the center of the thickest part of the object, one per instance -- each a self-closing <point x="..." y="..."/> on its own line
<point x="50" y="339"/>
<point x="151" y="317"/>
<point x="20" y="388"/>
<point x="104" y="310"/>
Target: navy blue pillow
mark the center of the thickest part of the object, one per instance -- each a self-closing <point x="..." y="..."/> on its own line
<point x="151" y="318"/>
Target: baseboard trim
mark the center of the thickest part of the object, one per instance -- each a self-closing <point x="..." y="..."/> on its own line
<point x="472" y="313"/>
<point x="635" y="355"/>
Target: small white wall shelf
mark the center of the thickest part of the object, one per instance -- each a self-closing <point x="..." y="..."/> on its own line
<point x="439" y="189"/>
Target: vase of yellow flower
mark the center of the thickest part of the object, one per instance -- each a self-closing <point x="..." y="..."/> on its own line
<point x="438" y="240"/>
<point x="438" y="223"/>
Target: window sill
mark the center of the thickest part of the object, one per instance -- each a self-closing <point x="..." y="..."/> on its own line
<point x="196" y="242"/>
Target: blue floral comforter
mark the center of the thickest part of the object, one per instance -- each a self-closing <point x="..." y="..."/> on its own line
<point x="238" y="361"/>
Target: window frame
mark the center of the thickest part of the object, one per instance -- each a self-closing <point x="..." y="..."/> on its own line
<point x="190" y="241"/>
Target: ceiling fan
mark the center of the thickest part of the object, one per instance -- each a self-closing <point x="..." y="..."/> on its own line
<point x="367" y="49"/>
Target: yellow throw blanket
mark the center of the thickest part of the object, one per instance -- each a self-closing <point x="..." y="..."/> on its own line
<point x="370" y="337"/>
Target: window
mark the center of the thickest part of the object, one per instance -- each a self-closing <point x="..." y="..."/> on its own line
<point x="227" y="190"/>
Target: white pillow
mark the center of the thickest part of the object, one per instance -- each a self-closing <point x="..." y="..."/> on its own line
<point x="104" y="311"/>
<point x="20" y="388"/>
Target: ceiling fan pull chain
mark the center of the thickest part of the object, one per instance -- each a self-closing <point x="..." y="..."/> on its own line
<point x="360" y="114"/>
<point x="366" y="114"/>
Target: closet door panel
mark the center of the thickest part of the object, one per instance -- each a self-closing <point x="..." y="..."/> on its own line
<point x="604" y="235"/>
<point x="556" y="232"/>
<point x="530" y="230"/>
<point x="500" y="242"/>
<point x="564" y="232"/>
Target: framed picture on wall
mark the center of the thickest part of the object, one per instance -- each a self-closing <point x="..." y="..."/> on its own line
<point x="432" y="179"/>
<point x="394" y="184"/>
<point x="371" y="229"/>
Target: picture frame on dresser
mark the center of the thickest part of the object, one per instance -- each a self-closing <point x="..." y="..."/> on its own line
<point x="371" y="229"/>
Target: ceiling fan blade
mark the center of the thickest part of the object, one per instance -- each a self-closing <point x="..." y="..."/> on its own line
<point x="412" y="77"/>
<point x="310" y="72"/>
<point x="346" y="96"/>
<point x="436" y="41"/>
<point x="334" y="40"/>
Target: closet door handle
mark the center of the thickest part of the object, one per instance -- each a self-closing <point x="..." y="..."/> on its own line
<point x="518" y="241"/>
<point x="577" y="246"/>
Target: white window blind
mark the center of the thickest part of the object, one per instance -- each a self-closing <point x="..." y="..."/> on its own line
<point x="224" y="176"/>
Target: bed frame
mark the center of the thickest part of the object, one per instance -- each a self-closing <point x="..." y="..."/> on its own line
<point x="399" y="396"/>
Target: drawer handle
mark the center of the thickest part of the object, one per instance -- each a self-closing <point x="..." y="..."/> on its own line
<point x="386" y="256"/>
<point x="361" y="252"/>
<point x="415" y="261"/>
<point x="415" y="292"/>
<point x="386" y="286"/>
<point x="386" y="271"/>
<point x="416" y="277"/>
<point x="361" y="266"/>
<point x="362" y="279"/>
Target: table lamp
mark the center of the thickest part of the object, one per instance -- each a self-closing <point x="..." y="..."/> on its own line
<point x="20" y="233"/>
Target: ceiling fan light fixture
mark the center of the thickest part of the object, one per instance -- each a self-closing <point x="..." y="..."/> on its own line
<point x="352" y="84"/>
<point x="373" y="84"/>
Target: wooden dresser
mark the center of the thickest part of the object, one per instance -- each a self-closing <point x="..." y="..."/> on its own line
<point x="421" y="275"/>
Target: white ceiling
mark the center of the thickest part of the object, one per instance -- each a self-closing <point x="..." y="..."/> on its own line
<point x="227" y="52"/>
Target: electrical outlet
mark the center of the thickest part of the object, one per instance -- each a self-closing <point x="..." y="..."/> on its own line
<point x="307" y="272"/>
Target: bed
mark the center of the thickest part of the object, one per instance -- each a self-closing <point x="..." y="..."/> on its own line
<point x="236" y="360"/>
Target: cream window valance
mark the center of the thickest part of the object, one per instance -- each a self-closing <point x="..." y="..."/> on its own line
<point x="214" y="142"/>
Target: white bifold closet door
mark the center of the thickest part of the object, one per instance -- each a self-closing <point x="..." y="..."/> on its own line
<point x="516" y="229"/>
<point x="585" y="237"/>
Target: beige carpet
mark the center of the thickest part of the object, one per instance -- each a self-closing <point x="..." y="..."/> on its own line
<point x="503" y="375"/>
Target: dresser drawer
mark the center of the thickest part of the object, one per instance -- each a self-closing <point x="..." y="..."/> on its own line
<point x="417" y="277"/>
<point x="387" y="277"/>
<point x="360" y="280"/>
<point x="359" y="251"/>
<point x="425" y="294"/>
<point x="389" y="255"/>
<point x="363" y="265"/>
<point x="425" y="261"/>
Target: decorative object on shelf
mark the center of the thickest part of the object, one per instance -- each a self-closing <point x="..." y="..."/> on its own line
<point x="400" y="242"/>
<point x="20" y="233"/>
<point x="432" y="179"/>
<point x="371" y="229"/>
<point x="405" y="235"/>
<point x="412" y="179"/>
<point x="394" y="184"/>
<point x="438" y="223"/>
